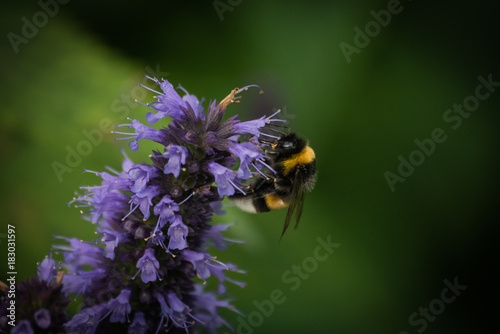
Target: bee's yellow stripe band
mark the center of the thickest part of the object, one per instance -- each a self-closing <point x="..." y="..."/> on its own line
<point x="303" y="158"/>
<point x="274" y="202"/>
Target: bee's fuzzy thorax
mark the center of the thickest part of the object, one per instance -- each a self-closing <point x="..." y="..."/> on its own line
<point x="304" y="157"/>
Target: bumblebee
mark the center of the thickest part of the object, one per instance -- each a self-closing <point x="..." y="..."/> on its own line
<point x="293" y="163"/>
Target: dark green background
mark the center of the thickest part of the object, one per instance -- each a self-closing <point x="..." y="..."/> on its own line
<point x="396" y="247"/>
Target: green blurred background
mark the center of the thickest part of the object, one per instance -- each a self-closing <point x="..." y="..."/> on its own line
<point x="83" y="66"/>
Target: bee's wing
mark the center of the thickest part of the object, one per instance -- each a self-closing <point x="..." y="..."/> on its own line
<point x="296" y="203"/>
<point x="301" y="194"/>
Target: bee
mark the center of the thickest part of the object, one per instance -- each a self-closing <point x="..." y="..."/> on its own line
<point x="294" y="164"/>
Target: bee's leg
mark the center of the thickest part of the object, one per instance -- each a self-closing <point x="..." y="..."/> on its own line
<point x="262" y="148"/>
<point x="263" y="185"/>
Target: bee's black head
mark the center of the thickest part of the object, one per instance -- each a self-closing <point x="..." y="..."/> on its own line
<point x="289" y="145"/>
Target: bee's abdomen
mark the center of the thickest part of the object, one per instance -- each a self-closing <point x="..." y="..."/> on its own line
<point x="275" y="202"/>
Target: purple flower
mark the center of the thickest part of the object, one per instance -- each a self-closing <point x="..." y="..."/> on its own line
<point x="148" y="266"/>
<point x="104" y="199"/>
<point x="211" y="305"/>
<point x="177" y="233"/>
<point x="165" y="209"/>
<point x="252" y="127"/>
<point x="87" y="320"/>
<point x="166" y="312"/>
<point x="40" y="304"/>
<point x="216" y="236"/>
<point x="217" y="207"/>
<point x="80" y="282"/>
<point x="176" y="157"/>
<point x="206" y="266"/>
<point x="144" y="200"/>
<point x="169" y="103"/>
<point x="138" y="325"/>
<point x="111" y="239"/>
<point x="153" y="219"/>
<point x="81" y="253"/>
<point x="120" y="307"/>
<point x="175" y="303"/>
<point x="247" y="153"/>
<point x="141" y="175"/>
<point x="23" y="327"/>
<point x="198" y="261"/>
<point x="194" y="103"/>
<point x="42" y="318"/>
<point x="47" y="270"/>
<point x="141" y="132"/>
<point x="224" y="178"/>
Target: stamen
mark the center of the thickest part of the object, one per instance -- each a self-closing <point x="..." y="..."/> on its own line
<point x="277" y="120"/>
<point x="130" y="135"/>
<point x="82" y="206"/>
<point x="233" y="241"/>
<point x="269" y="167"/>
<point x="112" y="170"/>
<point x="268" y="135"/>
<point x="169" y="252"/>
<point x="220" y="263"/>
<point x="152" y="79"/>
<point x="120" y="125"/>
<point x="186" y="198"/>
<point x="150" y="89"/>
<point x="90" y="171"/>
<point x="234" y="185"/>
<point x="144" y="104"/>
<point x="192" y="316"/>
<point x="123" y="138"/>
<point x="277" y="112"/>
<point x="137" y="273"/>
<point x="151" y="236"/>
<point x="264" y="175"/>
<point x="122" y="133"/>
<point x="131" y="210"/>
<point x="199" y="276"/>
<point x="182" y="88"/>
<point x="246" y="88"/>
<point x="159" y="326"/>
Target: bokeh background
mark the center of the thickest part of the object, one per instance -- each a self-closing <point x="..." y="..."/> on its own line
<point x="82" y="67"/>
